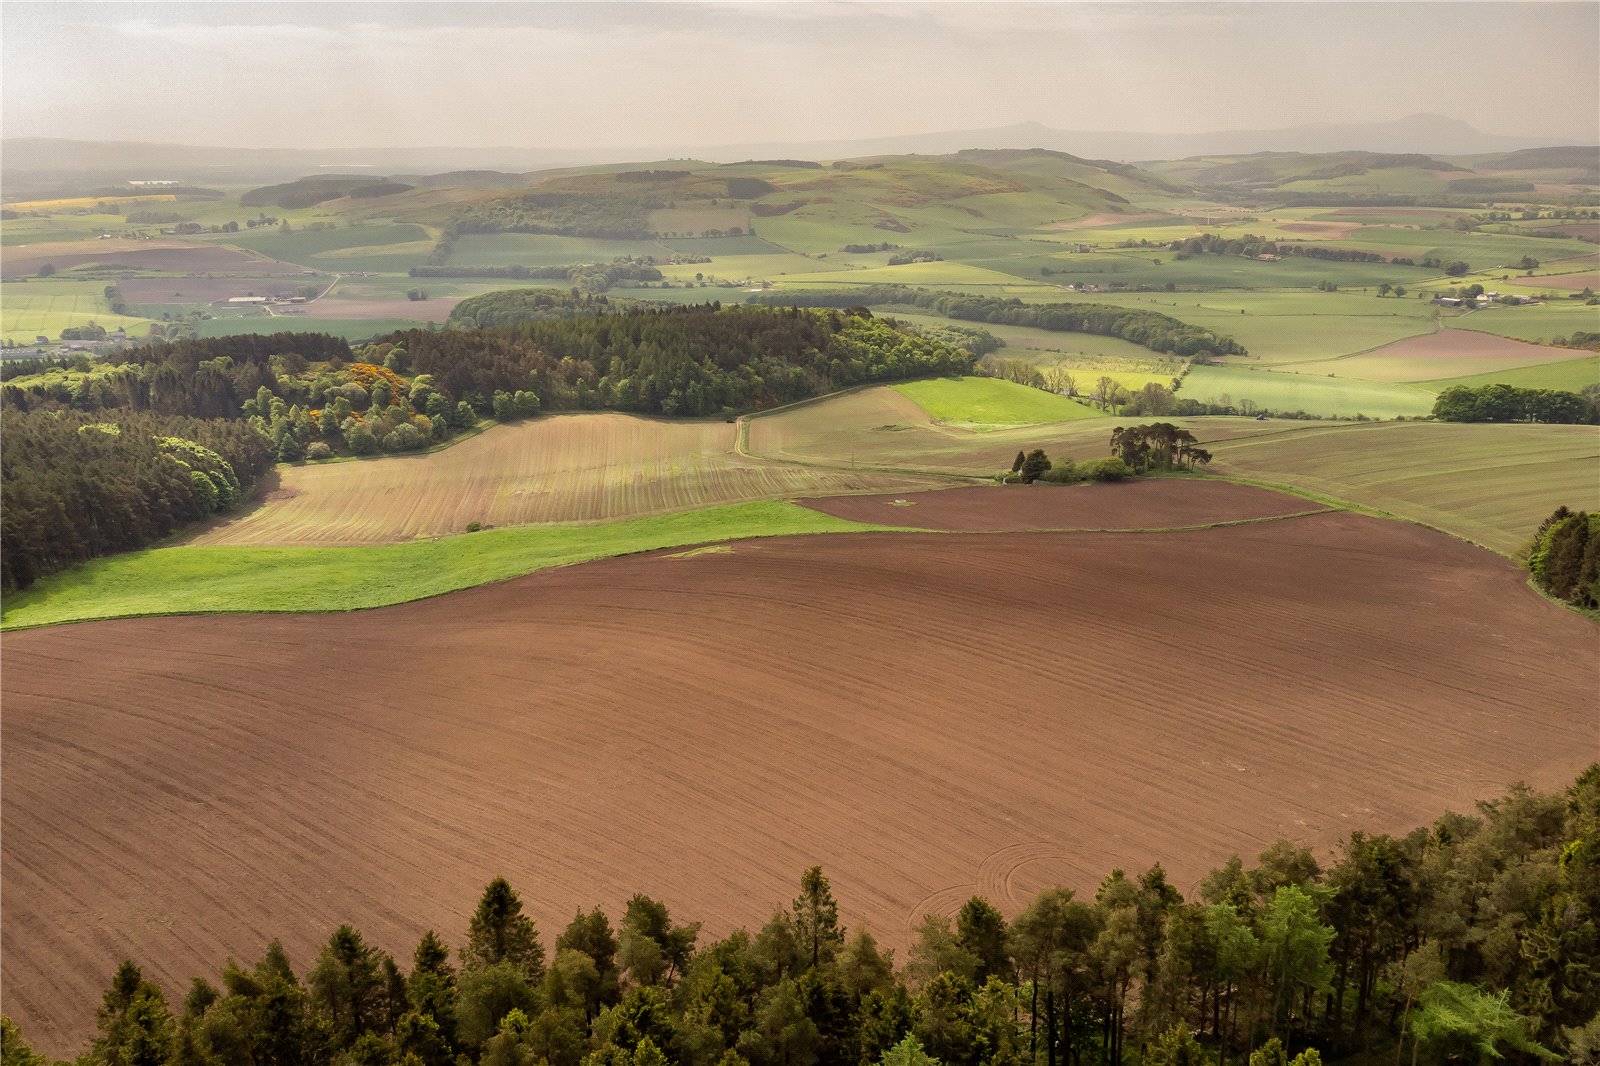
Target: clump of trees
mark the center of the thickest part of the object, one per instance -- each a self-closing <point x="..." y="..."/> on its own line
<point x="1151" y="329"/>
<point x="1468" y="940"/>
<point x="1035" y="465"/>
<point x="1507" y="403"/>
<point x="1158" y="446"/>
<point x="584" y="277"/>
<point x="1564" y="557"/>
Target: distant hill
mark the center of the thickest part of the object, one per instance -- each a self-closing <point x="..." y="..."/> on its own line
<point x="1430" y="134"/>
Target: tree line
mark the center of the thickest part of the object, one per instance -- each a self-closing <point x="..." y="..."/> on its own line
<point x="1469" y="940"/>
<point x="688" y="360"/>
<point x="1150" y="329"/>
<point x="585" y="277"/>
<point x="1508" y="403"/>
<point x="75" y="486"/>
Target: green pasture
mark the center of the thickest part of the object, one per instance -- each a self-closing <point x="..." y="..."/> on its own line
<point x="34" y="307"/>
<point x="1491" y="484"/>
<point x="54" y="228"/>
<point x="210" y="580"/>
<point x="541" y="249"/>
<point x="1540" y="323"/>
<point x="1569" y="374"/>
<point x="946" y="275"/>
<point x="1313" y="394"/>
<point x="383" y="247"/>
<point x="990" y="402"/>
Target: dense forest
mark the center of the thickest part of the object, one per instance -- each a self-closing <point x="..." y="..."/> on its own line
<point x="1507" y="403"/>
<point x="289" y="397"/>
<point x="1468" y="941"/>
<point x="74" y="486"/>
<point x="1153" y="330"/>
<point x="1564" y="558"/>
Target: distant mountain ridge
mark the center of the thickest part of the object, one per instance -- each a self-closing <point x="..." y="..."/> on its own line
<point x="1430" y="134"/>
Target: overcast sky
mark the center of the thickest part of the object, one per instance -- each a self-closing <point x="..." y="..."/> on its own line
<point x="591" y="75"/>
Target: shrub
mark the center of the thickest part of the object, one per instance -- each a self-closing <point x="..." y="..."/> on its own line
<point x="318" y="450"/>
<point x="404" y="438"/>
<point x="1112" y="469"/>
<point x="361" y="440"/>
<point x="1062" y="472"/>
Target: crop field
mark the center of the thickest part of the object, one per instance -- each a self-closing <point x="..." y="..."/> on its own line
<point x="167" y="256"/>
<point x="1491" y="484"/>
<point x="381" y="247"/>
<point x="1573" y="375"/>
<point x="47" y="307"/>
<point x="1541" y="323"/>
<point x="1313" y="393"/>
<point x="1449" y="353"/>
<point x="538" y="249"/>
<point x="576" y="467"/>
<point x="991" y="403"/>
<point x="1146" y="504"/>
<point x="879" y="427"/>
<point x="711" y="682"/>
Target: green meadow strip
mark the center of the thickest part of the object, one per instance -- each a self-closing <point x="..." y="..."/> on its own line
<point x="215" y="580"/>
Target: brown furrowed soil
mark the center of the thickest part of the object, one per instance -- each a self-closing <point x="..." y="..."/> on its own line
<point x="1153" y="503"/>
<point x="177" y="257"/>
<point x="927" y="716"/>
<point x="561" y="469"/>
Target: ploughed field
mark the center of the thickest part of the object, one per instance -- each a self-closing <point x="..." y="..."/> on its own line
<point x="926" y="715"/>
<point x="562" y="469"/>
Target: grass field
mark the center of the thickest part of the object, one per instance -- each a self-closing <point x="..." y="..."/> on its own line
<point x="991" y="403"/>
<point x="1570" y="374"/>
<point x="391" y="247"/>
<point x="879" y="427"/>
<point x="562" y="468"/>
<point x="1489" y="484"/>
<point x="206" y="580"/>
<point x="1317" y="395"/>
<point x="1542" y="322"/>
<point x="47" y="307"/>
<point x="538" y="249"/>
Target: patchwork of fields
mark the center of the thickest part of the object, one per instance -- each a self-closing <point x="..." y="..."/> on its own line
<point x="711" y="682"/>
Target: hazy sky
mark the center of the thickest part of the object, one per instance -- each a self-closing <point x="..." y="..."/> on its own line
<point x="590" y="75"/>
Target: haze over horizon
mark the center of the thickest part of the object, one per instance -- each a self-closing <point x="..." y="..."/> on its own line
<point x="572" y="76"/>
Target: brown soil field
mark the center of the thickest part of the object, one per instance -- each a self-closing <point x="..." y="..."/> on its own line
<point x="1154" y="503"/>
<point x="433" y="309"/>
<point x="206" y="290"/>
<point x="1577" y="282"/>
<point x="1449" y="353"/>
<point x="1105" y="218"/>
<point x="175" y="257"/>
<point x="1335" y="230"/>
<point x="702" y="728"/>
<point x="562" y="469"/>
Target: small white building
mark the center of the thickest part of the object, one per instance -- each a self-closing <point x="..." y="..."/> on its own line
<point x="247" y="299"/>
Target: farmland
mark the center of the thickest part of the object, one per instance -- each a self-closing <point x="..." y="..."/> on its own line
<point x="1571" y="374"/>
<point x="1321" y="395"/>
<point x="579" y="467"/>
<point x="1489" y="484"/>
<point x="48" y="307"/>
<point x="178" y="733"/>
<point x="1450" y="353"/>
<point x="990" y="403"/>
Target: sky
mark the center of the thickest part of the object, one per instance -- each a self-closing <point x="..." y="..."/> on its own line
<point x="326" y="75"/>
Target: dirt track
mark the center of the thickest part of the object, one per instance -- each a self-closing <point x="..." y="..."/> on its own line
<point x="1157" y="503"/>
<point x="926" y="715"/>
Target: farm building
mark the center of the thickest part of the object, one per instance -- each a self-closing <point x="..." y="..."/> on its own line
<point x="247" y="299"/>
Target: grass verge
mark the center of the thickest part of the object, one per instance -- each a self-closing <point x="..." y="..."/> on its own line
<point x="227" y="580"/>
